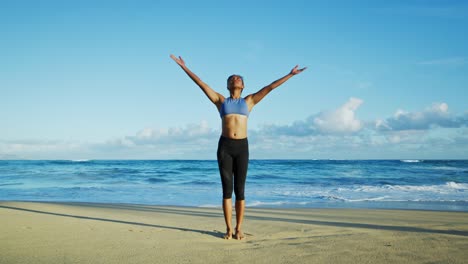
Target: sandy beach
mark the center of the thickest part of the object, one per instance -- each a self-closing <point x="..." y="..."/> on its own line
<point x="33" y="232"/>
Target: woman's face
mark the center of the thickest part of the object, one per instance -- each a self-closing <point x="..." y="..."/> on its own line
<point x="235" y="81"/>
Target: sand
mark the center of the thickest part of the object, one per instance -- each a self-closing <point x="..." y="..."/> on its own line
<point x="33" y="232"/>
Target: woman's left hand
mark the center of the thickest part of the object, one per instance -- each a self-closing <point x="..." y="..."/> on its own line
<point x="295" y="70"/>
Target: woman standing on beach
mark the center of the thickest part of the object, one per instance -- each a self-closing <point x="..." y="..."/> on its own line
<point x="233" y="148"/>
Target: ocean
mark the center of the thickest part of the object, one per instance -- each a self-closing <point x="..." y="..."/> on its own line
<point x="389" y="184"/>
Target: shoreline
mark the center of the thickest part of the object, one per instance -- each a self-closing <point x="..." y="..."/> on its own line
<point x="436" y="206"/>
<point x="73" y="232"/>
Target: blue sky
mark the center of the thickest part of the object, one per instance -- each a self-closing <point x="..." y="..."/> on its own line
<point x="93" y="79"/>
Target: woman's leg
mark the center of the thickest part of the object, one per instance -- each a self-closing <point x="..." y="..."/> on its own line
<point x="225" y="163"/>
<point x="240" y="208"/>
<point x="240" y="175"/>
<point x="227" y="210"/>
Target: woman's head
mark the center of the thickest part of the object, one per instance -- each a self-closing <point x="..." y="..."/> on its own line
<point x="235" y="81"/>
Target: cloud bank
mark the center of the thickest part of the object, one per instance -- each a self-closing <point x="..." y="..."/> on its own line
<point x="435" y="116"/>
<point x="433" y="132"/>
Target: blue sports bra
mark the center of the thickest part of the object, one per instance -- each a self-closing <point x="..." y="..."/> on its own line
<point x="234" y="106"/>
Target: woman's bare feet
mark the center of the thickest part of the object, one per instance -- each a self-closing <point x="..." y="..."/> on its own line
<point x="239" y="235"/>
<point x="228" y="234"/>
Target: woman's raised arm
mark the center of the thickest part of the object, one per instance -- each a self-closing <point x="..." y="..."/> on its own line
<point x="214" y="97"/>
<point x="255" y="98"/>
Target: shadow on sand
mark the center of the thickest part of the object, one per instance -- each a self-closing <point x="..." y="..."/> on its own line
<point x="218" y="234"/>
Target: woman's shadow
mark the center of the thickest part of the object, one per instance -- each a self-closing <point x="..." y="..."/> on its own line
<point x="214" y="233"/>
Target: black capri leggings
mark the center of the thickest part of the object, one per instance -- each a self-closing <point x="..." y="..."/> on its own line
<point x="233" y="160"/>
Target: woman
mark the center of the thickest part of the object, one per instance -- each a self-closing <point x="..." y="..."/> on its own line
<point x="233" y="149"/>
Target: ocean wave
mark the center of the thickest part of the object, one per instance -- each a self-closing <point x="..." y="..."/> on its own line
<point x="371" y="199"/>
<point x="199" y="182"/>
<point x="458" y="186"/>
<point x="11" y="184"/>
<point x="278" y="203"/>
<point x="449" y="191"/>
<point x="411" y="160"/>
<point x="330" y="198"/>
<point x="421" y="188"/>
<point x="73" y="162"/>
<point x="156" y="180"/>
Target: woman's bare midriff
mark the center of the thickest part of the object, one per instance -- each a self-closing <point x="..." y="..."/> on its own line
<point x="234" y="126"/>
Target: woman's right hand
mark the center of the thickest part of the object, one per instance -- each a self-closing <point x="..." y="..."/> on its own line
<point x="179" y="60"/>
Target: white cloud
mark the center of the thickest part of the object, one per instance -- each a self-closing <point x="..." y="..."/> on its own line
<point x="191" y="141"/>
<point x="196" y="133"/>
<point x="405" y="137"/>
<point x="339" y="121"/>
<point x="342" y="120"/>
<point x="436" y="115"/>
<point x="431" y="133"/>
